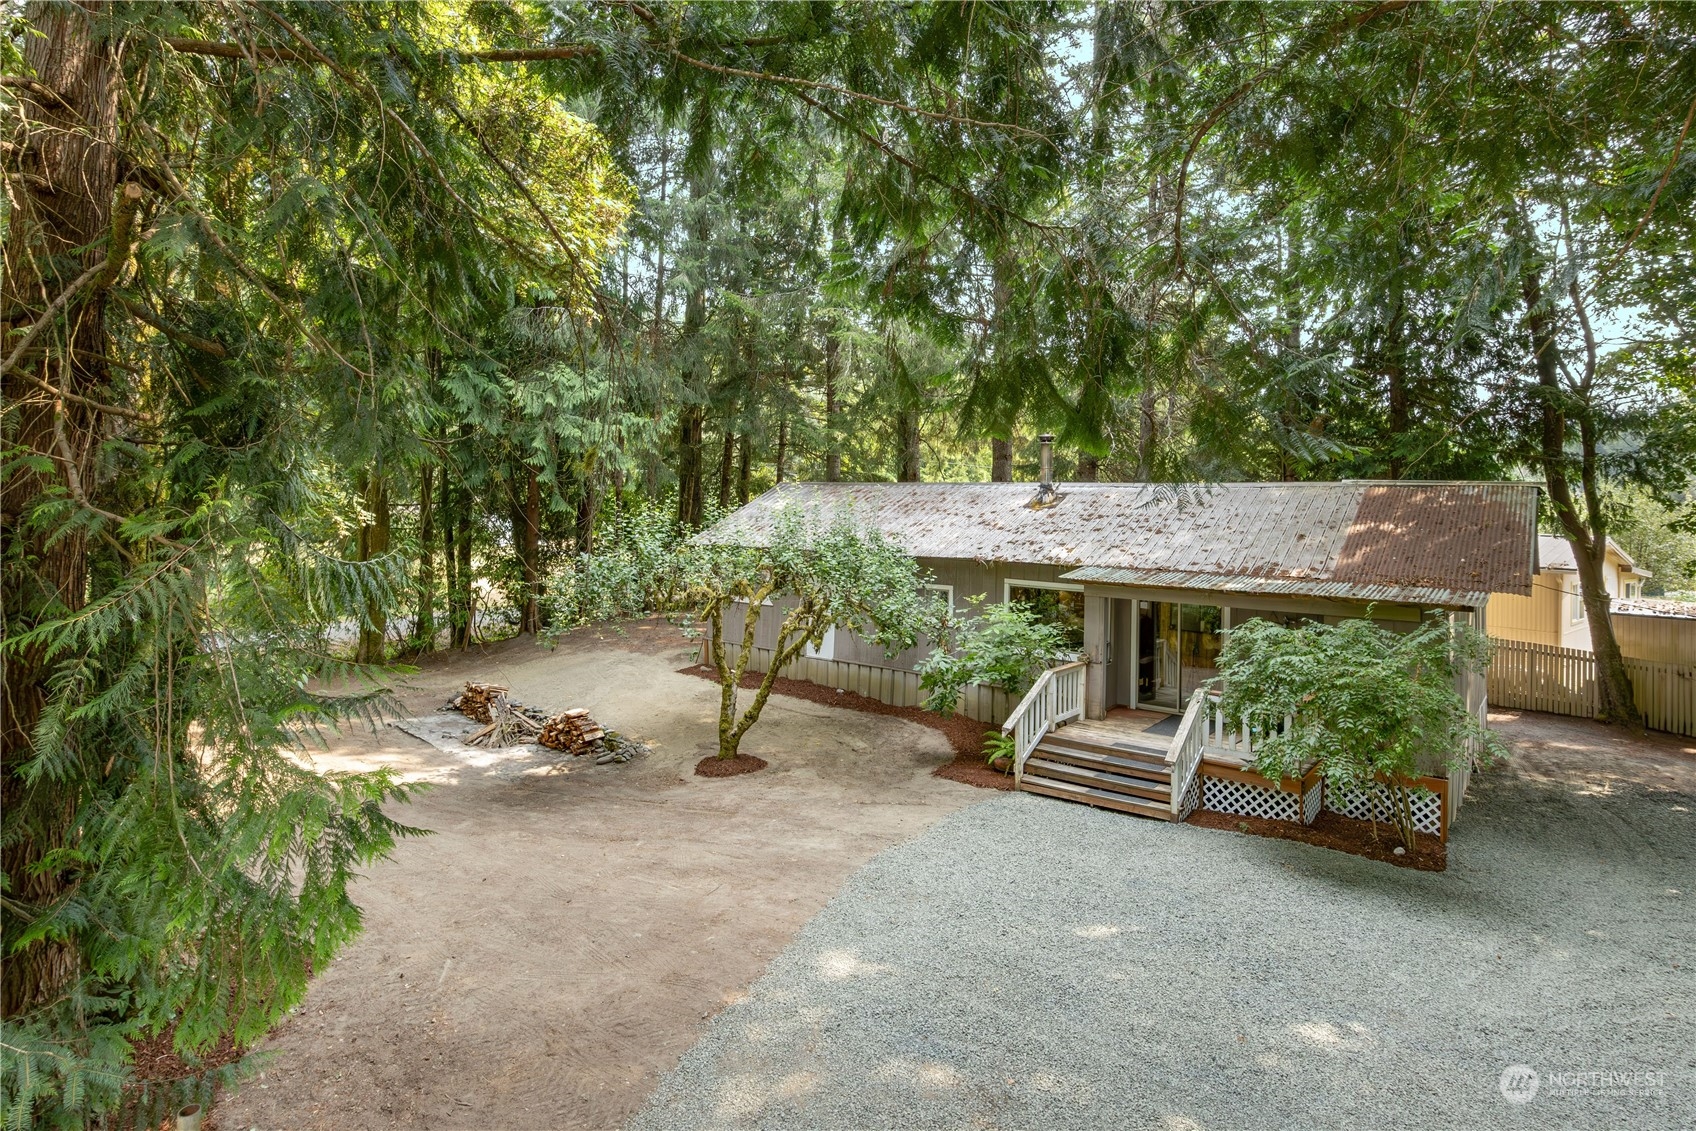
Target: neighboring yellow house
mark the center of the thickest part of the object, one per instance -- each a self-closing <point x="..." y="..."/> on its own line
<point x="1554" y="613"/>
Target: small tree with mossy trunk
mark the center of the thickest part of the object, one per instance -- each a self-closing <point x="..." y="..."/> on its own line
<point x="822" y="575"/>
<point x="1371" y="707"/>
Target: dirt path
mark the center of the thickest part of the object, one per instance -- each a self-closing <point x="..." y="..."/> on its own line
<point x="561" y="940"/>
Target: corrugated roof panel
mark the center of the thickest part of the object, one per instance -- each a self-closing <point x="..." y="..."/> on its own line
<point x="1424" y="596"/>
<point x="1463" y="538"/>
<point x="1454" y="535"/>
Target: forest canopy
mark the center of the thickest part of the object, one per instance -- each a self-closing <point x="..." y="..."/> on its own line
<point x="357" y="323"/>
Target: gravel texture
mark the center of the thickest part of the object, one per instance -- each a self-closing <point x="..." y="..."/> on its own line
<point x="1029" y="963"/>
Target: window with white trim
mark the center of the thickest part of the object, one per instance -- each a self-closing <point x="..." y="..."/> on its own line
<point x="1575" y="607"/>
<point x="1057" y="603"/>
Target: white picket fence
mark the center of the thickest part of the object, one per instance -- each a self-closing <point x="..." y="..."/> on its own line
<point x="1562" y="681"/>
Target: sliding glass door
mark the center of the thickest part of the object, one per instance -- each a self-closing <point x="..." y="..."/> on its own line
<point x="1177" y="651"/>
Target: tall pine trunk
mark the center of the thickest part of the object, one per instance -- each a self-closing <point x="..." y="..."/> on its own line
<point x="1000" y="460"/>
<point x="425" y="629"/>
<point x="527" y="536"/>
<point x="373" y="544"/>
<point x="907" y="441"/>
<point x="60" y="233"/>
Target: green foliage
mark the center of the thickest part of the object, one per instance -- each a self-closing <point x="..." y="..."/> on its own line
<point x="210" y="868"/>
<point x="643" y="565"/>
<point x="1659" y="538"/>
<point x="1003" y="645"/>
<point x="1374" y="708"/>
<point x="998" y="746"/>
<point x="820" y="573"/>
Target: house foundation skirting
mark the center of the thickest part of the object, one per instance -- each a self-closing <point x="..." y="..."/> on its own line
<point x="1244" y="793"/>
<point x="1429" y="811"/>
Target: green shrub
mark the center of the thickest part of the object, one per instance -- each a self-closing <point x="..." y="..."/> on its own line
<point x="1003" y="645"/>
<point x="1372" y="707"/>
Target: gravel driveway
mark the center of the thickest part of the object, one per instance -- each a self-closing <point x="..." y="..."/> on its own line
<point x="1033" y="963"/>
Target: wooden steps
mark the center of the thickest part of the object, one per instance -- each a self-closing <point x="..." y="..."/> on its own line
<point x="1100" y="798"/>
<point x="1119" y="771"/>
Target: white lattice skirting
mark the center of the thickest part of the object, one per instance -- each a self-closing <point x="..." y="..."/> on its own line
<point x="1192" y="798"/>
<point x="1244" y="800"/>
<point x="1312" y="801"/>
<point x="1364" y="805"/>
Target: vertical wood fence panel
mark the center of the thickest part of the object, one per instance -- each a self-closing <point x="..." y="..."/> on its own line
<point x="887" y="685"/>
<point x="1562" y="681"/>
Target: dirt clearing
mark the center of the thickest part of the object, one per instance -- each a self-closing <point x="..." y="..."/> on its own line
<point x="563" y="937"/>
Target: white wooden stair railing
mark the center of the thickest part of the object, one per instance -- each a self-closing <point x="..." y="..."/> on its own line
<point x="1183" y="757"/>
<point x="1056" y="697"/>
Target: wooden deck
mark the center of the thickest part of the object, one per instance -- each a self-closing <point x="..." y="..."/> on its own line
<point x="1123" y="726"/>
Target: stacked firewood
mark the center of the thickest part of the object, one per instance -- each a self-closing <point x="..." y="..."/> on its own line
<point x="476" y="700"/>
<point x="573" y="732"/>
<point x="509" y="724"/>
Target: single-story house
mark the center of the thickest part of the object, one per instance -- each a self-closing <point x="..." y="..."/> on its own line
<point x="1553" y="612"/>
<point x="1147" y="579"/>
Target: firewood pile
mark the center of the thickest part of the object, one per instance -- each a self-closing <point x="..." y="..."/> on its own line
<point x="509" y="723"/>
<point x="573" y="732"/>
<point x="475" y="702"/>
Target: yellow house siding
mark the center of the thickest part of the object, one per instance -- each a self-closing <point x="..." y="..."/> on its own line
<point x="1537" y="619"/>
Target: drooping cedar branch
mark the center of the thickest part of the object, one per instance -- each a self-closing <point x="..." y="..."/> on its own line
<point x="858" y="96"/>
<point x="1313" y="46"/>
<point x="272" y="53"/>
<point x="175" y="333"/>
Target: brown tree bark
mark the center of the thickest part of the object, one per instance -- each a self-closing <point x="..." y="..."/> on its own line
<point x="60" y="256"/>
<point x="527" y="536"/>
<point x="1587" y="532"/>
<point x="425" y="628"/>
<point x="907" y="442"/>
<point x="1000" y="460"/>
<point x="450" y="562"/>
<point x="1089" y="468"/>
<point x="465" y="605"/>
<point x="690" y="426"/>
<point x="726" y="466"/>
<point x="782" y="446"/>
<point x="374" y="543"/>
<point x="588" y="507"/>
<point x="744" y="466"/>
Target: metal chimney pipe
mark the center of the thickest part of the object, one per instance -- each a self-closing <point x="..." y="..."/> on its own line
<point x="1047" y="442"/>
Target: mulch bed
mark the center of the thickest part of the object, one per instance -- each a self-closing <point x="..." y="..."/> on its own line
<point x="963" y="734"/>
<point x="1335" y="831"/>
<point x="157" y="1067"/>
<point x="712" y="766"/>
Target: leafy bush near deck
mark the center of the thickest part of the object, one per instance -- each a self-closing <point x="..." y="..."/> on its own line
<point x="1004" y="645"/>
<point x="1371" y="706"/>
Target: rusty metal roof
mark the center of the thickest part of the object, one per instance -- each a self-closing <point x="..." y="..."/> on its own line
<point x="1429" y="543"/>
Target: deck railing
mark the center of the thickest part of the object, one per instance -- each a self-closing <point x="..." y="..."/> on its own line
<point x="1233" y="738"/>
<point x="1056" y="697"/>
<point x="1183" y="757"/>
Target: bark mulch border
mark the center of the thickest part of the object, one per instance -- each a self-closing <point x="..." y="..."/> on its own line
<point x="1336" y="832"/>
